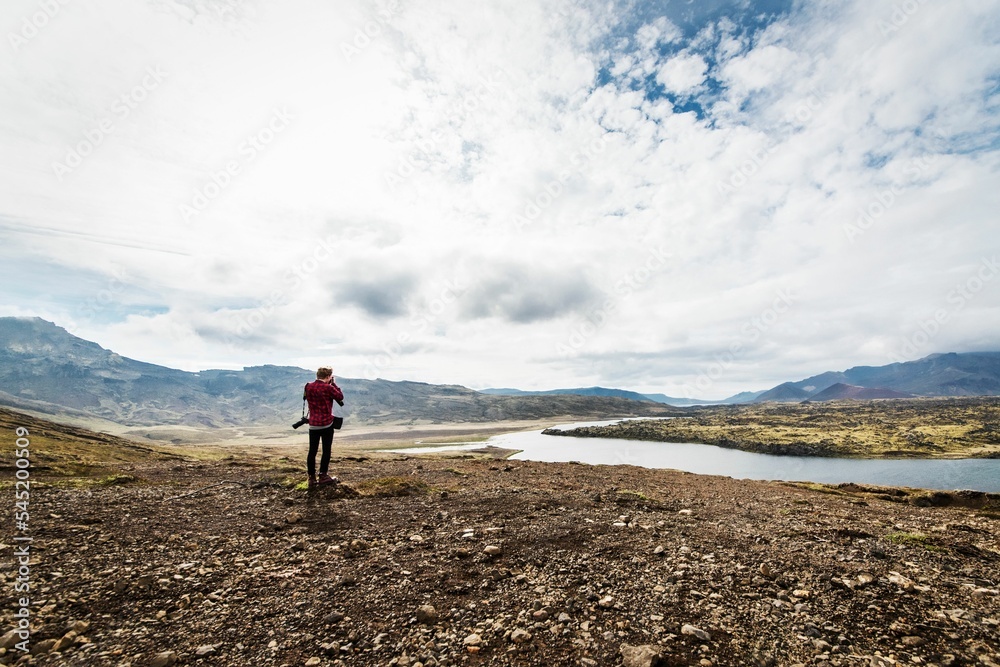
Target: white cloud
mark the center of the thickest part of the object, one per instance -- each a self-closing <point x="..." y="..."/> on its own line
<point x="682" y="74"/>
<point x="458" y="194"/>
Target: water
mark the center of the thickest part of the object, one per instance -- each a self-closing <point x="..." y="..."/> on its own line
<point x="974" y="474"/>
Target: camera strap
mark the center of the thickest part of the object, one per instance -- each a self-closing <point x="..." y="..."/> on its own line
<point x="304" y="401"/>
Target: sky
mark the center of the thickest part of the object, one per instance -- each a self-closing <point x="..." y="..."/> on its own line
<point x="694" y="198"/>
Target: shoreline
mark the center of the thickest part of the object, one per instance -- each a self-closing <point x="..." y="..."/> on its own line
<point x="900" y="429"/>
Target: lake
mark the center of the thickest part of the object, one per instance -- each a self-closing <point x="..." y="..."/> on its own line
<point x="946" y="475"/>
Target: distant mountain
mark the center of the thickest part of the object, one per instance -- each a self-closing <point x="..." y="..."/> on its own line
<point x="742" y="397"/>
<point x="784" y="393"/>
<point x="602" y="391"/>
<point x="588" y="391"/>
<point x="843" y="392"/>
<point x="46" y="369"/>
<point x="951" y="374"/>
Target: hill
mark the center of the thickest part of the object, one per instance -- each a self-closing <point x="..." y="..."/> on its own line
<point x="783" y="393"/>
<point x="58" y="450"/>
<point x="45" y="369"/>
<point x="843" y="392"/>
<point x="621" y="393"/>
<point x="937" y="375"/>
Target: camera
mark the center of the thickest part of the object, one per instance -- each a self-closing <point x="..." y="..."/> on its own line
<point x="301" y="422"/>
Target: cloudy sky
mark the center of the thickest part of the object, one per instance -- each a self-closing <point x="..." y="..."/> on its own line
<point x="696" y="198"/>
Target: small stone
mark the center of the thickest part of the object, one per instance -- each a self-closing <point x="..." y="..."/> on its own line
<point x="492" y="550"/>
<point x="766" y="571"/>
<point x="688" y="629"/>
<point x="821" y="645"/>
<point x="333" y="617"/>
<point x="312" y="662"/>
<point x="901" y="581"/>
<point x="79" y="627"/>
<point x="207" y="649"/>
<point x="416" y="538"/>
<point x="473" y="640"/>
<point x="801" y="593"/>
<point x="607" y="602"/>
<point x="164" y="659"/>
<point x="520" y="636"/>
<point x="705" y="662"/>
<point x="540" y="615"/>
<point x="912" y="641"/>
<point x="980" y="593"/>
<point x="9" y="639"/>
<point x="293" y="517"/>
<point x="564" y="618"/>
<point x="684" y="512"/>
<point x="640" y="656"/>
<point x="427" y="614"/>
<point x="658" y="550"/>
<point x="43" y="647"/>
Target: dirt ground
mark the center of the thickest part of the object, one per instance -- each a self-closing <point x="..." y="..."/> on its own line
<point x="464" y="561"/>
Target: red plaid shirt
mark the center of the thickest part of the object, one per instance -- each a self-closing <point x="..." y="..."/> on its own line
<point x="320" y="397"/>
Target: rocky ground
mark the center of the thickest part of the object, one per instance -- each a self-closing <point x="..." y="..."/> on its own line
<point x="490" y="562"/>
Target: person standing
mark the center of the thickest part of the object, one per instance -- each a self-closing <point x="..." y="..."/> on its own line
<point x="320" y="396"/>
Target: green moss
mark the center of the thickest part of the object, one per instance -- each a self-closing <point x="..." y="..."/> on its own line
<point x="914" y="539"/>
<point x="117" y="480"/>
<point x="628" y="494"/>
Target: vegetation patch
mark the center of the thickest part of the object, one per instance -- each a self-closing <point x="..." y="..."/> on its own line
<point x="914" y="539"/>
<point x="386" y="487"/>
<point x="118" y="480"/>
<point x="898" y="428"/>
<point x="629" y="496"/>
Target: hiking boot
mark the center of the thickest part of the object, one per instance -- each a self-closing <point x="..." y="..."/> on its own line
<point x="326" y="479"/>
<point x="312" y="482"/>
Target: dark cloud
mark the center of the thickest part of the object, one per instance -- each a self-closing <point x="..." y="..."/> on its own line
<point x="379" y="296"/>
<point x="523" y="295"/>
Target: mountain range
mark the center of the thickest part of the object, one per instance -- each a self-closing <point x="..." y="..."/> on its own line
<point x="743" y="397"/>
<point x="45" y="369"/>
<point x="951" y="374"/>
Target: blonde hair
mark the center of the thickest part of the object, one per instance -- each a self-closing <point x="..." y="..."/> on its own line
<point x="323" y="372"/>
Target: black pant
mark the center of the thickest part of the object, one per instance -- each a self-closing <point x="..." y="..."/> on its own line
<point x="314" y="437"/>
